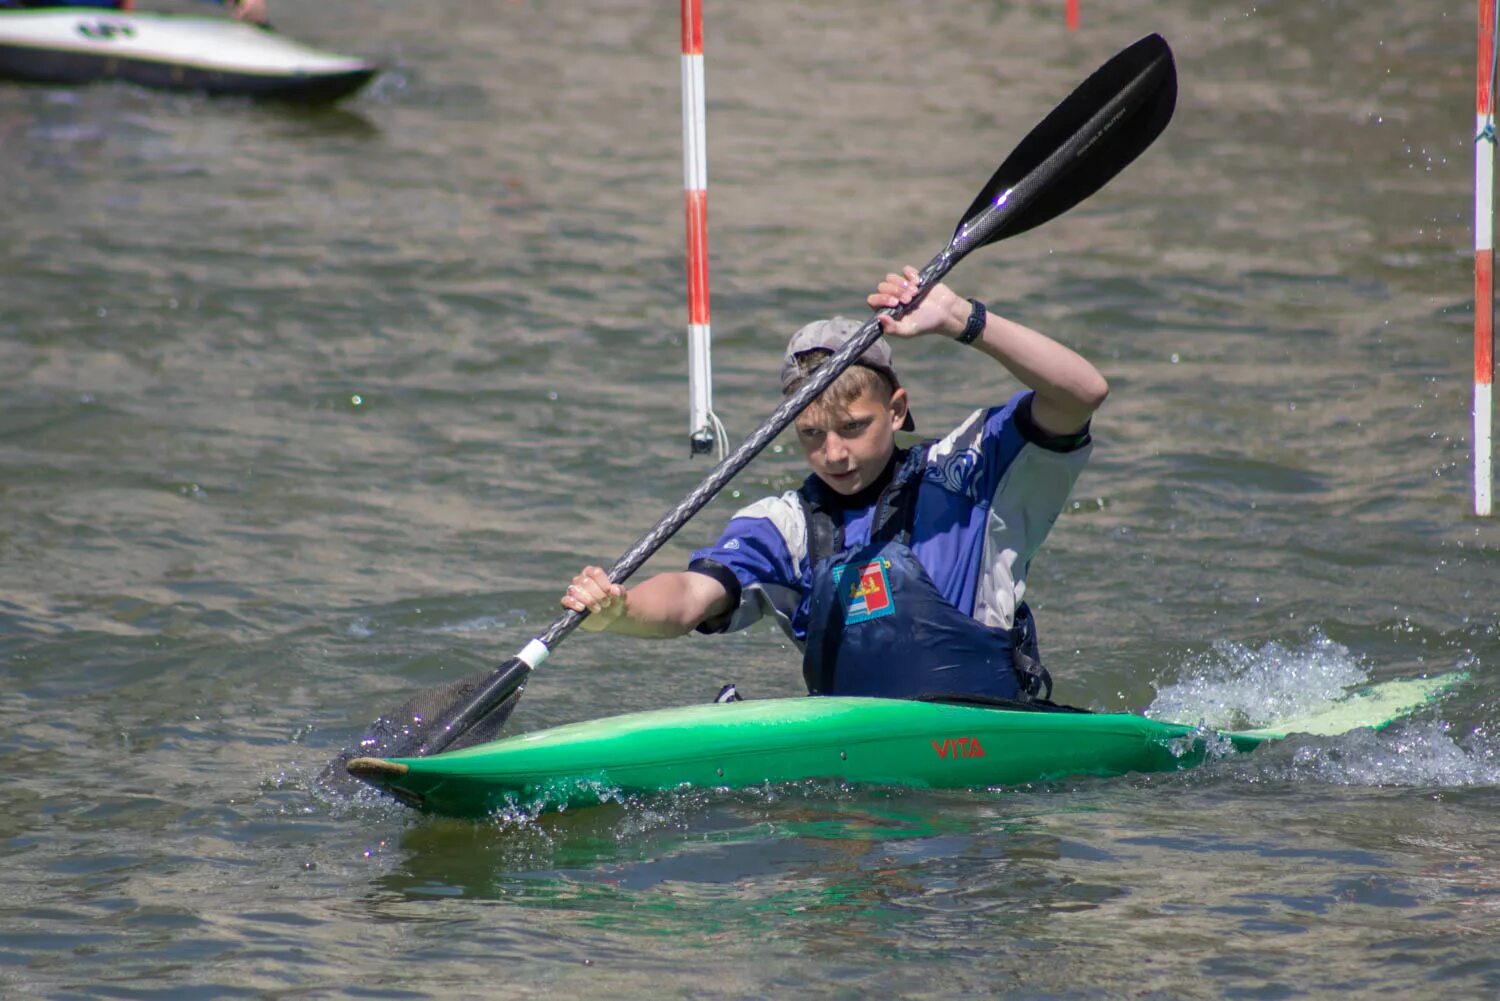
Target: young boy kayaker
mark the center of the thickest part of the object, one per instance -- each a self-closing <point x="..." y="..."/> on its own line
<point x="897" y="572"/>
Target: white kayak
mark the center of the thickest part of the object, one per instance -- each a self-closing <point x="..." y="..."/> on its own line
<point x="173" y="52"/>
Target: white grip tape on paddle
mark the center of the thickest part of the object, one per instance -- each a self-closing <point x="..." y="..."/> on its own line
<point x="534" y="653"/>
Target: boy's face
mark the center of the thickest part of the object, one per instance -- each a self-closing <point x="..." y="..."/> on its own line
<point x="848" y="447"/>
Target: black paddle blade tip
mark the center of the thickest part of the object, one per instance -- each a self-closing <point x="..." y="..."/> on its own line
<point x="1096" y="132"/>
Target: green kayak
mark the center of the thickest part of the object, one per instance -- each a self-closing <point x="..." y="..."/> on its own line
<point x="858" y="740"/>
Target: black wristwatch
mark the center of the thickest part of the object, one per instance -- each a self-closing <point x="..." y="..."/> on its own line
<point x="975" y="326"/>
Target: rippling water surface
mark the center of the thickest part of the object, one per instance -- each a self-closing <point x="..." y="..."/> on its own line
<point x="304" y="411"/>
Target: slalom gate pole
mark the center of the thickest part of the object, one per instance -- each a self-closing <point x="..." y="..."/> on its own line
<point x="1484" y="257"/>
<point x="702" y="424"/>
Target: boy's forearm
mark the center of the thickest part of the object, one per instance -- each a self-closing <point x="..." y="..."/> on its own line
<point x="1068" y="387"/>
<point x="670" y="604"/>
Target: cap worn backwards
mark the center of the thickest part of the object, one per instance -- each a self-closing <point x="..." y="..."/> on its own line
<point x="830" y="335"/>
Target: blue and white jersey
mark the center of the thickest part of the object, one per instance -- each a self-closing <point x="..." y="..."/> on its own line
<point x="990" y="494"/>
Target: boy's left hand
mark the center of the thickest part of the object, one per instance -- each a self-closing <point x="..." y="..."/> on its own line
<point x="253" y="11"/>
<point x="942" y="312"/>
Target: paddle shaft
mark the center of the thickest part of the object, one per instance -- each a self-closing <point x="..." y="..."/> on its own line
<point x="982" y="224"/>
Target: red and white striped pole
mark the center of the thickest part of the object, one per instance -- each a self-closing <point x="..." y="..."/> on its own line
<point x="1484" y="257"/>
<point x="702" y="423"/>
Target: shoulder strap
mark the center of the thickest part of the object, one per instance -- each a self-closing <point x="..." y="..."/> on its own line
<point x="896" y="510"/>
<point x="825" y="533"/>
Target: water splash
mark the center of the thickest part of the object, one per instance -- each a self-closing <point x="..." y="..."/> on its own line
<point x="1236" y="687"/>
<point x="1425" y="754"/>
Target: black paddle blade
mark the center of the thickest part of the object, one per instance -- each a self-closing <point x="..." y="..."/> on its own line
<point x="402" y="732"/>
<point x="473" y="719"/>
<point x="1131" y="96"/>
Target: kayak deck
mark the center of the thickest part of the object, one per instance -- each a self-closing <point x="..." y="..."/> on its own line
<point x="857" y="740"/>
<point x="740" y="744"/>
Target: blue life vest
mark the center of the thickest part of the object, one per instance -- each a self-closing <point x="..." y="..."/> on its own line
<point x="880" y="627"/>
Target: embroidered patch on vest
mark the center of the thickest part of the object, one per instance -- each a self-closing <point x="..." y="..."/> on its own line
<point x="867" y="595"/>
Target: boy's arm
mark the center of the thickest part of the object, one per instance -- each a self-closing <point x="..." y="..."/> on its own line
<point x="669" y="604"/>
<point x="1068" y="389"/>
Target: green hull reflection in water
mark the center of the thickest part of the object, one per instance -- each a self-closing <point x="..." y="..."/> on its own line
<point x="860" y="740"/>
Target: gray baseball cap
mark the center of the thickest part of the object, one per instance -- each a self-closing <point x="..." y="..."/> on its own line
<point x="830" y="335"/>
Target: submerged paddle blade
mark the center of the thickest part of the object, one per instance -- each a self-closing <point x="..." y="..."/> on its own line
<point x="406" y="730"/>
<point x="475" y="718"/>
<point x="1092" y="135"/>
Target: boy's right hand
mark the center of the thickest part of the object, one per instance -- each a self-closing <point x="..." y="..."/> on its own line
<point x="253" y="11"/>
<point x="592" y="591"/>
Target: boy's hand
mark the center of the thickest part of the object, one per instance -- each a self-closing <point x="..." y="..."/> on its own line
<point x="942" y="312"/>
<point x="593" y="592"/>
<point x="253" y="11"/>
